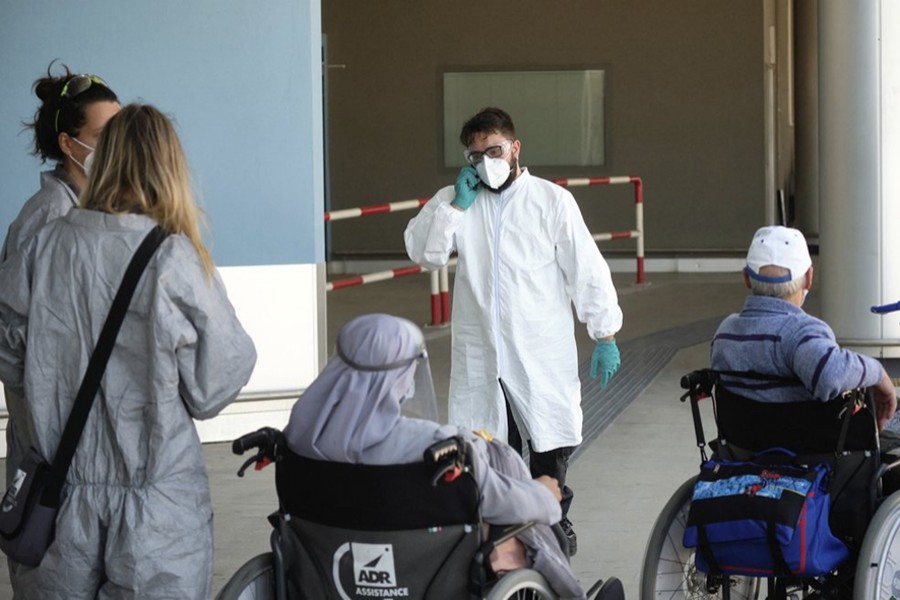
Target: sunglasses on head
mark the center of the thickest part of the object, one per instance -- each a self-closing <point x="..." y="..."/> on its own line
<point x="76" y="85"/>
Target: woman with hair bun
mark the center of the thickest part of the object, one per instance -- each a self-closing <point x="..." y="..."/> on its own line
<point x="74" y="108"/>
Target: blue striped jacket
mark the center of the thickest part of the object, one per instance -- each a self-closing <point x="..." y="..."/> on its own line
<point x="774" y="337"/>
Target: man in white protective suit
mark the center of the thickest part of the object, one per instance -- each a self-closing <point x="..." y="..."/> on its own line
<point x="525" y="256"/>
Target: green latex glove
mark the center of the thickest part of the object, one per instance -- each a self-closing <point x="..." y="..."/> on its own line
<point x="466" y="187"/>
<point x="605" y="361"/>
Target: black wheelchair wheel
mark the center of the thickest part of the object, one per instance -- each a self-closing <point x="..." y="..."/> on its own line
<point x="522" y="584"/>
<point x="255" y="580"/>
<point x="669" y="570"/>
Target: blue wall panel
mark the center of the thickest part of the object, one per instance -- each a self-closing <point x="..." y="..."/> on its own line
<point x="242" y="79"/>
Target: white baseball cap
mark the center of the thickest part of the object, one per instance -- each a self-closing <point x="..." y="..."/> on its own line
<point x="779" y="246"/>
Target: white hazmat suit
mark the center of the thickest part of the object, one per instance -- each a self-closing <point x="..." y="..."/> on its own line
<point x="136" y="517"/>
<point x="525" y="256"/>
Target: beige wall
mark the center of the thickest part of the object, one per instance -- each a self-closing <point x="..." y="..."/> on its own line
<point x="685" y="107"/>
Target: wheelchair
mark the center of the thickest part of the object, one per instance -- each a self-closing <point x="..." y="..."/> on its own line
<point x="843" y="433"/>
<point x="394" y="531"/>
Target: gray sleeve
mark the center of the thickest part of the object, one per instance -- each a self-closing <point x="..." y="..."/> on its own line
<point x="13" y="329"/>
<point x="215" y="355"/>
<point x="15" y="296"/>
<point x="823" y="366"/>
<point x="508" y="494"/>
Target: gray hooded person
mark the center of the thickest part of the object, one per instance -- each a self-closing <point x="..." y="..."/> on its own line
<point x="352" y="413"/>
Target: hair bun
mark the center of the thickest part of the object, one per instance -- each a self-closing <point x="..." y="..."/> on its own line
<point x="49" y="88"/>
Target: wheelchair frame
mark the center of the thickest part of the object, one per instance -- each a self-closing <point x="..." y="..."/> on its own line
<point x="669" y="569"/>
<point x="263" y="577"/>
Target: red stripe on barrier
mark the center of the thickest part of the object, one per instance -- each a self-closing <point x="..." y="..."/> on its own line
<point x="348" y="282"/>
<point x="411" y="270"/>
<point x="435" y="310"/>
<point x="374" y="209"/>
<point x="445" y="307"/>
<point x="620" y="235"/>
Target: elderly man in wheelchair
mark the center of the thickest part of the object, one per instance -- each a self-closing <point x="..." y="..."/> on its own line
<point x="793" y="501"/>
<point x="377" y="500"/>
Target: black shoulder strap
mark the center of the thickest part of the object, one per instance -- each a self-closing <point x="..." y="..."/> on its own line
<point x="97" y="365"/>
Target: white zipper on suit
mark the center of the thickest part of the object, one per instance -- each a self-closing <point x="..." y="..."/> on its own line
<point x="498" y="211"/>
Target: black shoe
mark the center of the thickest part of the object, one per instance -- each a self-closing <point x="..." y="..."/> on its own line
<point x="612" y="589"/>
<point x="567" y="528"/>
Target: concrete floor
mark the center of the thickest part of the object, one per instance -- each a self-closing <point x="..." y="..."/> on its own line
<point x="621" y="480"/>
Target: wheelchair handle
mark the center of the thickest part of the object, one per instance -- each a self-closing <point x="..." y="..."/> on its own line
<point x="886" y="308"/>
<point x="264" y="439"/>
<point x="701" y="379"/>
<point x="447" y="459"/>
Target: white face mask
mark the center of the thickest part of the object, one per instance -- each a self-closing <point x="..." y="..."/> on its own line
<point x="493" y="171"/>
<point x="88" y="160"/>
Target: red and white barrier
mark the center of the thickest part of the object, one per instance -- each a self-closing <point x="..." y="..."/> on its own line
<point x="374" y="209"/>
<point x="440" y="286"/>
<point x="638" y="231"/>
<point x="440" y="279"/>
<point x="373" y="277"/>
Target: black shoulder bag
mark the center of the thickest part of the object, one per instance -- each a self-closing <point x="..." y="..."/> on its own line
<point x="29" y="507"/>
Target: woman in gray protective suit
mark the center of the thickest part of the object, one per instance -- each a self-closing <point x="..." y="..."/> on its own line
<point x="66" y="125"/>
<point x="74" y="109"/>
<point x="136" y="517"/>
<point x="352" y="413"/>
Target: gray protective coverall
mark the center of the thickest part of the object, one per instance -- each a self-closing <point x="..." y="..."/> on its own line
<point x="136" y="518"/>
<point x="56" y="197"/>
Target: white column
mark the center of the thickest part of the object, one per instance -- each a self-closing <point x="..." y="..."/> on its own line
<point x="889" y="218"/>
<point x="857" y="131"/>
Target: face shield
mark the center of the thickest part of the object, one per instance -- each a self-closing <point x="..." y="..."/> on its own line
<point x="418" y="400"/>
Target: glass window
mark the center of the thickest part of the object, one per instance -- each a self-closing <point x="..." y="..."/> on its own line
<point x="559" y="115"/>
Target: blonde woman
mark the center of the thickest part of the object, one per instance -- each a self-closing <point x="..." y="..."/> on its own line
<point x="136" y="519"/>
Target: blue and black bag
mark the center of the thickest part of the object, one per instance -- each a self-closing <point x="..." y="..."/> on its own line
<point x="759" y="519"/>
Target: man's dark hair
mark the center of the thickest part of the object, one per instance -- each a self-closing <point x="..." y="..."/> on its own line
<point x="488" y="120"/>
